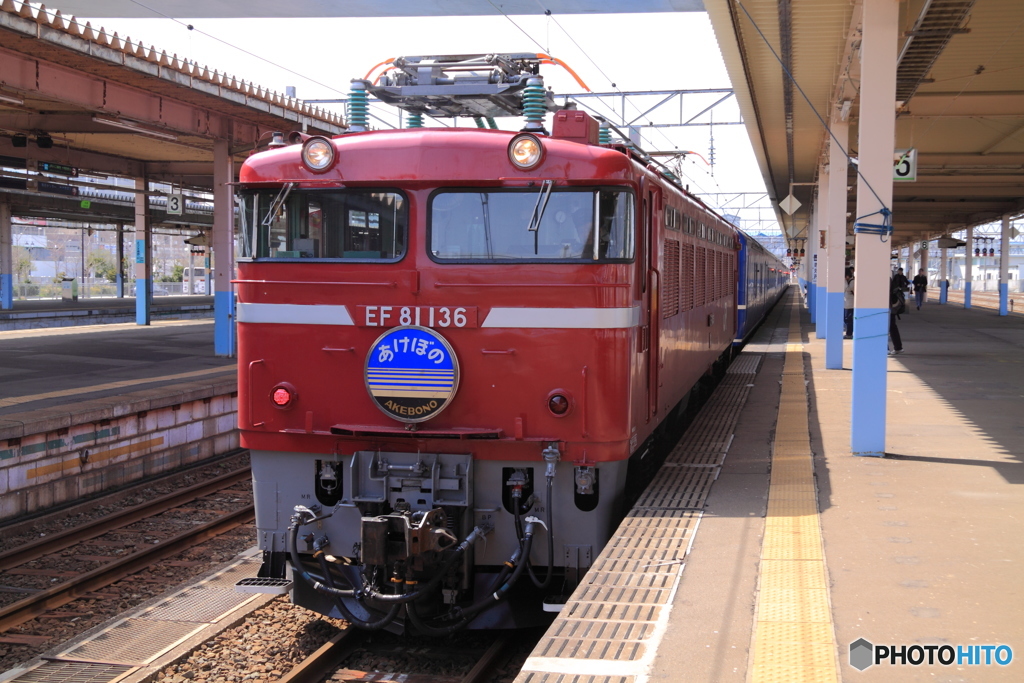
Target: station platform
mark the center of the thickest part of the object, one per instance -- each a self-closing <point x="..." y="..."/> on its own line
<point x="88" y="408"/>
<point x="38" y="313"/>
<point x="795" y="549"/>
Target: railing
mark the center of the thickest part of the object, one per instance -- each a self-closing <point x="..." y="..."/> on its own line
<point x="91" y="290"/>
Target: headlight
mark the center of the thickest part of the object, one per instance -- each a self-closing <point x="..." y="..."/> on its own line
<point x="318" y="154"/>
<point x="525" y="151"/>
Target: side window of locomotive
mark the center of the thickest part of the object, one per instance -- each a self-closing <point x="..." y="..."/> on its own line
<point x="516" y="225"/>
<point x="322" y="224"/>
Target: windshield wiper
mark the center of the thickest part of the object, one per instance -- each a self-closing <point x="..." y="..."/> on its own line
<point x="486" y="208"/>
<point x="275" y="206"/>
<point x="542" y="203"/>
<point x="538" y="213"/>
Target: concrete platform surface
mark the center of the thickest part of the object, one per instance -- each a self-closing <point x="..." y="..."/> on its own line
<point x="43" y="368"/>
<point x="920" y="547"/>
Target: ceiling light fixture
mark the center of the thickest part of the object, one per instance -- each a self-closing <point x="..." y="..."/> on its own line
<point x="11" y="99"/>
<point x="135" y="128"/>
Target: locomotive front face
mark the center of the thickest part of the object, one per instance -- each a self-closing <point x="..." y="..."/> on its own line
<point x="423" y="364"/>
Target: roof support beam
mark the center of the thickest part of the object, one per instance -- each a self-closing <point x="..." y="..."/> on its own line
<point x="34" y="77"/>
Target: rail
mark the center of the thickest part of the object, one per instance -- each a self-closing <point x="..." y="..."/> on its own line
<point x="42" y="601"/>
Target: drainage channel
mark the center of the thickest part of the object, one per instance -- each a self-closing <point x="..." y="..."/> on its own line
<point x="610" y="628"/>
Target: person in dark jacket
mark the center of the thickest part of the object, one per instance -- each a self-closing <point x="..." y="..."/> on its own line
<point x="897" y="305"/>
<point x="920" y="287"/>
<point x="848" y="305"/>
<point x="901" y="280"/>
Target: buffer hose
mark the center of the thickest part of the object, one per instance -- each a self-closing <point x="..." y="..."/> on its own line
<point x="297" y="567"/>
<point x="346" y="612"/>
<point x="402" y="598"/>
<point x="515" y="564"/>
<point x="551" y="544"/>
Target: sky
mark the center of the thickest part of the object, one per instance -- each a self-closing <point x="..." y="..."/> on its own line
<point x="611" y="53"/>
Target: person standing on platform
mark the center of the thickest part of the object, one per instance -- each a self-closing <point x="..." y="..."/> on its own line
<point x="901" y="280"/>
<point x="897" y="306"/>
<point x="920" y="287"/>
<point x="848" y="306"/>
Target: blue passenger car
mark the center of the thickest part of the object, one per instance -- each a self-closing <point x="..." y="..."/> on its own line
<point x="762" y="279"/>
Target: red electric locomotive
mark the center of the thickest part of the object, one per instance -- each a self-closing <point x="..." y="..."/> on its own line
<point x="451" y="342"/>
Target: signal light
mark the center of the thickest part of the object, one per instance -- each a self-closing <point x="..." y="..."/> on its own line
<point x="977" y="252"/>
<point x="558" y="404"/>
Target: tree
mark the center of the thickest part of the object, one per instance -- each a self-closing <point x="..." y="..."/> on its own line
<point x="22" y="263"/>
<point x="101" y="264"/>
<point x="177" y="274"/>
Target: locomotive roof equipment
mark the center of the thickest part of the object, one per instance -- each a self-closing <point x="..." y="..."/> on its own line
<point x="461" y="85"/>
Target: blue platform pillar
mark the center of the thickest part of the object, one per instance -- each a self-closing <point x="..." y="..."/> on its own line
<point x="1004" y="268"/>
<point x="924" y="265"/>
<point x="874" y="192"/>
<point x="815" y="236"/>
<point x="223" y="250"/>
<point x="6" y="259"/>
<point x="835" y="221"/>
<point x="968" y="267"/>
<point x="143" y="253"/>
<point x="119" y="279"/>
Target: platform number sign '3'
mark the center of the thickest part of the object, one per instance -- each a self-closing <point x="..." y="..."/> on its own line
<point x="175" y="204"/>
<point x="904" y="165"/>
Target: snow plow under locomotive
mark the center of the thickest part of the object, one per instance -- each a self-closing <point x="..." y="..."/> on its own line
<point x="453" y="340"/>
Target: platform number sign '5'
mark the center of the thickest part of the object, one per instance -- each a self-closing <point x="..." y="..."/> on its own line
<point x="175" y="204"/>
<point x="904" y="165"/>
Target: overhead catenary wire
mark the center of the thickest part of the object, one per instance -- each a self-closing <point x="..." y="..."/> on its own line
<point x="614" y="85"/>
<point x="807" y="99"/>
<point x="191" y="27"/>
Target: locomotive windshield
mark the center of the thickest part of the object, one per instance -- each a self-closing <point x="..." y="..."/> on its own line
<point x="531" y="225"/>
<point x="292" y="223"/>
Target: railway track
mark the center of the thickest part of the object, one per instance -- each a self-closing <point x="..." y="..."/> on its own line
<point x="63" y="567"/>
<point x="980" y="300"/>
<point x="326" y="663"/>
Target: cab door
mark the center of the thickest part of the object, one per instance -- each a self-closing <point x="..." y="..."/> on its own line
<point x="650" y="203"/>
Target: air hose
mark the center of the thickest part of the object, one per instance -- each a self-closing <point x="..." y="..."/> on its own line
<point x="343" y="608"/>
<point x="297" y="567"/>
<point x="551" y="544"/>
<point x="515" y="564"/>
<point x="551" y="457"/>
<point x="476" y="533"/>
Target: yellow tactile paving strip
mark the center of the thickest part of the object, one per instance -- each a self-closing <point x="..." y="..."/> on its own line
<point x="794" y="637"/>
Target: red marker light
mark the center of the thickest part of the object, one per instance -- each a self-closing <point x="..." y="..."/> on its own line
<point x="281" y="397"/>
<point x="558" y="404"/>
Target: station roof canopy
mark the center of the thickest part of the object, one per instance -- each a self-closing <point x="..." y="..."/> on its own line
<point x="363" y="8"/>
<point x="960" y="99"/>
<point x="76" y="95"/>
<point x="959" y="102"/>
